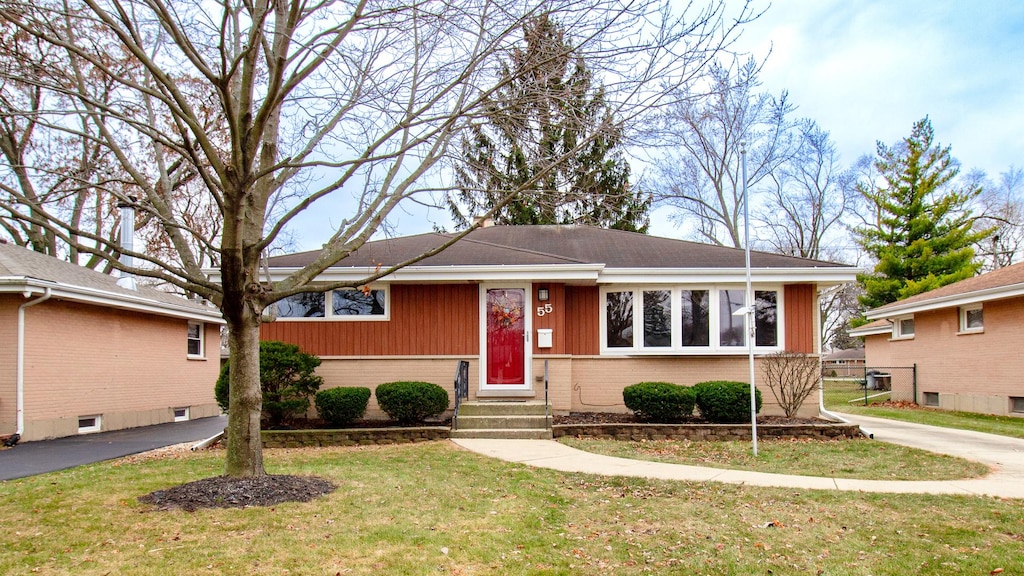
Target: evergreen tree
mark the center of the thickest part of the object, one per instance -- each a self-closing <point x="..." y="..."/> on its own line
<point x="550" y="141"/>
<point x="922" y="234"/>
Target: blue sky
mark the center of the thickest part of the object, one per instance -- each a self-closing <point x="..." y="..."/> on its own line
<point x="867" y="70"/>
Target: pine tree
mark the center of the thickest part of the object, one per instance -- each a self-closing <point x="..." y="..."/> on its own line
<point x="549" y="139"/>
<point x="922" y="235"/>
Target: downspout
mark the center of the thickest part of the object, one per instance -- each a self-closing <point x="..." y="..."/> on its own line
<point x="832" y="415"/>
<point x="21" y="354"/>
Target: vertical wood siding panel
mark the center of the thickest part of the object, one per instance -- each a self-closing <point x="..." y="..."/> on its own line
<point x="799" y="315"/>
<point x="425" y="320"/>
<point x="582" y="320"/>
<point x="555" y="320"/>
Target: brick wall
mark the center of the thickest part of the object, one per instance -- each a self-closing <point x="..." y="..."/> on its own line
<point x="130" y="368"/>
<point x="975" y="372"/>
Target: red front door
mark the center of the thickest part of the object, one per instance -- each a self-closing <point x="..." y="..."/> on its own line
<point x="506" y="311"/>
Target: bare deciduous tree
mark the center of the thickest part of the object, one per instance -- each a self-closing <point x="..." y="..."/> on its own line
<point x="1001" y="207"/>
<point x="700" y="175"/>
<point x="809" y="194"/>
<point x="361" y="101"/>
<point x="791" y="377"/>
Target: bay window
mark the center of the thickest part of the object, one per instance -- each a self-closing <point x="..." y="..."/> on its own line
<point x="685" y="320"/>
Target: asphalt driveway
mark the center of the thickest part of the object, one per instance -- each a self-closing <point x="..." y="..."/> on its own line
<point x="30" y="458"/>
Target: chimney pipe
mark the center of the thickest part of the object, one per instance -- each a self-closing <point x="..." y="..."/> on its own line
<point x="127" y="208"/>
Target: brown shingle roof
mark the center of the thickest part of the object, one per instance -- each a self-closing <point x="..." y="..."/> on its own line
<point x="17" y="263"/>
<point x="525" y="245"/>
<point x="1012" y="275"/>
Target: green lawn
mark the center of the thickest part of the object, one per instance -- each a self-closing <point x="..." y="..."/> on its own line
<point x="433" y="508"/>
<point x="859" y="458"/>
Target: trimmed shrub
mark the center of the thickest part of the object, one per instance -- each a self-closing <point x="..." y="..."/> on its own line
<point x="339" y="406"/>
<point x="411" y="402"/>
<point x="725" y="402"/>
<point x="659" y="401"/>
<point x="287" y="380"/>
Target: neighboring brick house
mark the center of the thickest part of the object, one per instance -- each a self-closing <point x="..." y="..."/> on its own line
<point x="965" y="338"/>
<point x="79" y="353"/>
<point x="843" y="363"/>
<point x="604" y="308"/>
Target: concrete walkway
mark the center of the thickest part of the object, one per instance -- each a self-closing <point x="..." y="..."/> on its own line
<point x="1004" y="455"/>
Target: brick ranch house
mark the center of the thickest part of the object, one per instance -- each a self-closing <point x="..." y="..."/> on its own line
<point x="604" y="308"/>
<point x="80" y="353"/>
<point x="965" y="338"/>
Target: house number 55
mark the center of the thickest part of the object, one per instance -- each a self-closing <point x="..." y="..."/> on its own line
<point x="545" y="309"/>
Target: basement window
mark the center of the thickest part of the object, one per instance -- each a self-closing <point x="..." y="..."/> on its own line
<point x="931" y="399"/>
<point x="181" y="414"/>
<point x="89" y="424"/>
<point x="1017" y="404"/>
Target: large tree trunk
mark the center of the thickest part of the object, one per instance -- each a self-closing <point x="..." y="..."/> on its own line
<point x="245" y="404"/>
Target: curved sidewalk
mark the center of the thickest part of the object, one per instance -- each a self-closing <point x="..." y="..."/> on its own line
<point x="1004" y="455"/>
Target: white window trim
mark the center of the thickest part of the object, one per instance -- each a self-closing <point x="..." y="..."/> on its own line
<point x="964" y="329"/>
<point x="677" y="349"/>
<point x="897" y="328"/>
<point x="202" y="340"/>
<point x="329" y="309"/>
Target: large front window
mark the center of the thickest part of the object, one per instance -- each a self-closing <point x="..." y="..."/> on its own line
<point x="687" y="320"/>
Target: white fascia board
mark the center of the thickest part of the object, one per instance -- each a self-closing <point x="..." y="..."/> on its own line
<point x="821" y="276"/>
<point x="871" y="331"/>
<point x="108" y="299"/>
<point x="408" y="274"/>
<point x="951" y="301"/>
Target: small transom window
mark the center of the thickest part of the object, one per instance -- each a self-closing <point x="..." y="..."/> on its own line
<point x="903" y="327"/>
<point x="344" y="304"/>
<point x="972" y="319"/>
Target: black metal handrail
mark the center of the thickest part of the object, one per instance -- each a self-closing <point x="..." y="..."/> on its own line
<point x="461" y="388"/>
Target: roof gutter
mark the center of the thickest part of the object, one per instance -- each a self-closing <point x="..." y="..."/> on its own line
<point x="137" y="303"/>
<point x="21" y="354"/>
<point x="974" y="297"/>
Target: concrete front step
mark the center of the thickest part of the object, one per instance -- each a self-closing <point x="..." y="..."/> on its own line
<point x="495" y="408"/>
<point x="504" y="434"/>
<point x="506" y="421"/>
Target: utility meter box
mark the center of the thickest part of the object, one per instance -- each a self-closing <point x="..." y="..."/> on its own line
<point x="543" y="337"/>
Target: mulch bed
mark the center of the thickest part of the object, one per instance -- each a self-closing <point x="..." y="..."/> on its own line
<point x="225" y="492"/>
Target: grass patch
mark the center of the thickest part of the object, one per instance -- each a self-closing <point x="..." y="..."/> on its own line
<point x="1002" y="425"/>
<point x="845" y="395"/>
<point x="434" y="509"/>
<point x="856" y="458"/>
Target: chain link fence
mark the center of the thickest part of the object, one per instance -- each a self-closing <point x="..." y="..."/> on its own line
<point x="871" y="384"/>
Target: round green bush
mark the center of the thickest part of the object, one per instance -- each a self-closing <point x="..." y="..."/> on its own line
<point x="659" y="401"/>
<point x="287" y="380"/>
<point x="725" y="402"/>
<point x="411" y="402"/>
<point x="339" y="406"/>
